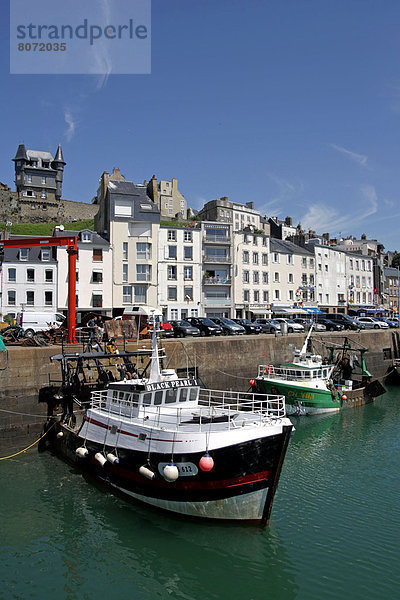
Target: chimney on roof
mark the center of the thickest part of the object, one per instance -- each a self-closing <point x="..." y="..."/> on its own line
<point x="326" y="236"/>
<point x="250" y="205"/>
<point x="288" y="221"/>
<point x="152" y="191"/>
<point x="363" y="237"/>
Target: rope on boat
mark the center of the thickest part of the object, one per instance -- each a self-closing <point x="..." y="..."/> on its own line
<point x="230" y="375"/>
<point x="14" y="412"/>
<point x="30" y="446"/>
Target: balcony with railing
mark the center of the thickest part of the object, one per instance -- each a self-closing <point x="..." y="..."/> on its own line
<point x="217" y="301"/>
<point x="217" y="239"/>
<point x="216" y="258"/>
<point x="217" y="280"/>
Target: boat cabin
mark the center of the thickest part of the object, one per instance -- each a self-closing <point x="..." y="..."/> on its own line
<point x="134" y="398"/>
<point x="297" y="371"/>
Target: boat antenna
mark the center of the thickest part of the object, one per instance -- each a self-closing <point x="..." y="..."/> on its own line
<point x="303" y="351"/>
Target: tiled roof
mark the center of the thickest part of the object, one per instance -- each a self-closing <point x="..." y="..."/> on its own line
<point x="285" y="247"/>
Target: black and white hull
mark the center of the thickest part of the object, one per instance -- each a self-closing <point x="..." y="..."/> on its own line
<point x="240" y="486"/>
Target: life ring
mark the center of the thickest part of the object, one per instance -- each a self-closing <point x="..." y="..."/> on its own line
<point x="269" y="369"/>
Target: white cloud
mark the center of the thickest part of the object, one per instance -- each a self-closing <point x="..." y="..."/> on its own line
<point x="102" y="57"/>
<point x="369" y="193"/>
<point x="321" y="218"/>
<point x="283" y="194"/>
<point x="71" y="122"/>
<point x="361" y="159"/>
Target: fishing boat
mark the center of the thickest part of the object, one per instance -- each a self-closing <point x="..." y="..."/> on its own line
<point x="313" y="384"/>
<point x="162" y="440"/>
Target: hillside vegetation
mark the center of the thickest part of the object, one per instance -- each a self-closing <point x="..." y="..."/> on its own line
<point x="46" y="228"/>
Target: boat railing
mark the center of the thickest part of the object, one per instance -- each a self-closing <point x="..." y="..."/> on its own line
<point x="266" y="404"/>
<point x="216" y="408"/>
<point x="288" y="374"/>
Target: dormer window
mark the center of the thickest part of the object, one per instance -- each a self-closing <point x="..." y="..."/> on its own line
<point x="33" y="163"/>
<point x="24" y="254"/>
<point x="45" y="254"/>
<point x="45" y="164"/>
<point x="86" y="236"/>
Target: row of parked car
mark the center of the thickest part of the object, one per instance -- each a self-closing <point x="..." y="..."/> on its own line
<point x="202" y="326"/>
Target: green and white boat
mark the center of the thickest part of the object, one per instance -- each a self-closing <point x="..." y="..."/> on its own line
<point x="314" y="385"/>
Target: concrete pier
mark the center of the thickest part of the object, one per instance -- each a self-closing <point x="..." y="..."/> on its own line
<point x="226" y="363"/>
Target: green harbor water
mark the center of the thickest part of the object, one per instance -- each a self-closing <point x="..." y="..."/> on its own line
<point x="334" y="531"/>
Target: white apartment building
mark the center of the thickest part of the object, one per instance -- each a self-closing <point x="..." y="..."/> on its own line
<point x="292" y="274"/>
<point x="179" y="272"/>
<point x="251" y="281"/>
<point x="217" y="261"/>
<point x="29" y="280"/>
<point x="93" y="274"/>
<point x="129" y="219"/>
<point x="359" y="277"/>
<point x="330" y="276"/>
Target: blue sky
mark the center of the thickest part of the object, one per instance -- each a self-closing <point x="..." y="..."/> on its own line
<point x="292" y="104"/>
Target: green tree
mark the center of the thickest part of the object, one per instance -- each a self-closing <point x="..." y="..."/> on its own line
<point x="396" y="260"/>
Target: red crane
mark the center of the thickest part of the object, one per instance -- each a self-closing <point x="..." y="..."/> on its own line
<point x="72" y="249"/>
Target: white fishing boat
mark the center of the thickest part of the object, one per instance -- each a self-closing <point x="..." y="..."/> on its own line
<point x="168" y="443"/>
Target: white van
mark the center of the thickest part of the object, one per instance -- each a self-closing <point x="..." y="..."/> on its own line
<point x="32" y="322"/>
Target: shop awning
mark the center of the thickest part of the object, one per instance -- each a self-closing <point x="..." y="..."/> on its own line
<point x="312" y="310"/>
<point x="259" y="311"/>
<point x="291" y="311"/>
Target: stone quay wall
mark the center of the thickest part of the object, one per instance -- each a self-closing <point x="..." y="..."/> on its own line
<point x="227" y="363"/>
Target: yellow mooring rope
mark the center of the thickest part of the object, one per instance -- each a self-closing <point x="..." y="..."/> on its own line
<point x="25" y="449"/>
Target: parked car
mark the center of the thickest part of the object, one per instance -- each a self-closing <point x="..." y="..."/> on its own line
<point x="308" y="322"/>
<point x="267" y="325"/>
<point x="167" y="329"/>
<point x="206" y="326"/>
<point x="391" y="322"/>
<point x="372" y="323"/>
<point x="249" y="326"/>
<point x="229" y="327"/>
<point x="346" y="320"/>
<point x="292" y="326"/>
<point x="329" y="324"/>
<point x="184" y="329"/>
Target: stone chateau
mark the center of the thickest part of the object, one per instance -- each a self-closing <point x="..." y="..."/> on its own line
<point x="38" y="195"/>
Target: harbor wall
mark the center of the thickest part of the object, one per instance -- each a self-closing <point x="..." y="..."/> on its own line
<point x="226" y="363"/>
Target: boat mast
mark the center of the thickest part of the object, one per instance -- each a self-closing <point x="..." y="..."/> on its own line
<point x="155" y="374"/>
<point x="303" y="351"/>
